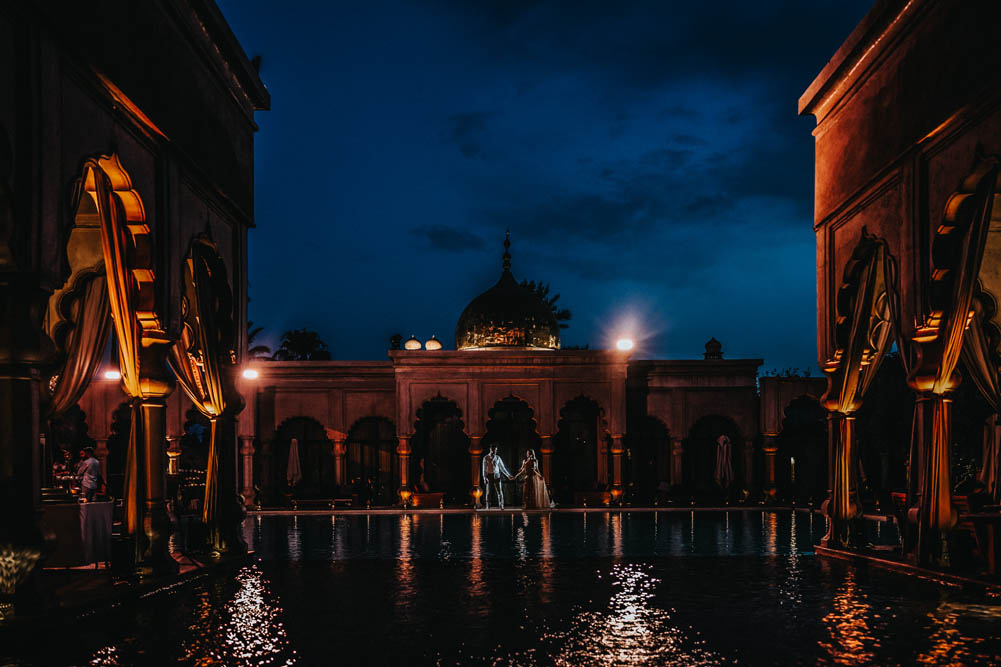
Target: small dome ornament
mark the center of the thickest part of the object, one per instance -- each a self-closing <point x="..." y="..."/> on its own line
<point x="412" y="344"/>
<point x="714" y="349"/>
<point x="432" y="344"/>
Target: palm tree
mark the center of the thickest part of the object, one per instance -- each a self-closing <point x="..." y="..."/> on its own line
<point x="256" y="352"/>
<point x="541" y="290"/>
<point x="301" y="345"/>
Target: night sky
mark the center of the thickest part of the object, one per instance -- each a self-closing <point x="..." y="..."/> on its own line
<point x="647" y="158"/>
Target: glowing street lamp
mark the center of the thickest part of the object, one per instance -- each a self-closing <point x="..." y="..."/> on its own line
<point x="250" y="374"/>
<point x="624" y="344"/>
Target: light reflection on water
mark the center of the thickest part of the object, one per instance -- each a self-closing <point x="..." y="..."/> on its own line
<point x="569" y="589"/>
<point x="848" y="623"/>
<point x="633" y="630"/>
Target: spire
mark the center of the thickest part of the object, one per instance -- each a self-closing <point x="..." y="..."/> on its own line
<point x="507" y="251"/>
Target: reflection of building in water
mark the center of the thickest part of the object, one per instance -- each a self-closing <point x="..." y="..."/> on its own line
<point x="851" y="638"/>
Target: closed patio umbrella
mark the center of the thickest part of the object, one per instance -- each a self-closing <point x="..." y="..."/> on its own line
<point x="293" y="472"/>
<point x="724" y="466"/>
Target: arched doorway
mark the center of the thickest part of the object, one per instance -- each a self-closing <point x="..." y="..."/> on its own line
<point x="440" y="459"/>
<point x="316" y="460"/>
<point x="371" y="460"/>
<point x="699" y="452"/>
<point x="575" y="451"/>
<point x="648" y="447"/>
<point x="801" y="461"/>
<point x="511" y="428"/>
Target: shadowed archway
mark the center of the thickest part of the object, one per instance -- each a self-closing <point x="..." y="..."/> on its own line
<point x="440" y="459"/>
<point x="699" y="457"/>
<point x="316" y="460"/>
<point x="512" y="429"/>
<point x="575" y="451"/>
<point x="371" y="460"/>
<point x="648" y="446"/>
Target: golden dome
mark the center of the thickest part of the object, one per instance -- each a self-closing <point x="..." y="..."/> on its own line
<point x="432" y="344"/>
<point x="412" y="344"/>
<point x="507" y="316"/>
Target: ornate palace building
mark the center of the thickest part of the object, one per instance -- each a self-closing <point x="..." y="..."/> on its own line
<point x="605" y="426"/>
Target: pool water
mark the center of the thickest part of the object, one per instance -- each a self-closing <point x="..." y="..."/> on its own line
<point x="615" y="588"/>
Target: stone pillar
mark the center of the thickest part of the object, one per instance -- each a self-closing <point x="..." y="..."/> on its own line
<point x="157" y="384"/>
<point x="770" y="448"/>
<point x="546" y="450"/>
<point x="617" y="451"/>
<point x="403" y="453"/>
<point x="101" y="454"/>
<point x="154" y="553"/>
<point x="476" y="462"/>
<point x="247" y="470"/>
<point x="677" y="452"/>
<point x="340" y="449"/>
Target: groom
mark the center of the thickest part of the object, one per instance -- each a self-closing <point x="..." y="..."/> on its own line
<point x="493" y="473"/>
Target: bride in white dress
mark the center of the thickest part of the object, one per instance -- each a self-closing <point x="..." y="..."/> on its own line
<point x="534" y="494"/>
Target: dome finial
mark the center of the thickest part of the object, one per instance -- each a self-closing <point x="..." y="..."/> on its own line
<point x="507" y="251"/>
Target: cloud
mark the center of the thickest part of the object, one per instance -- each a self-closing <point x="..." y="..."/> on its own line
<point x="449" y="239"/>
<point x="466" y="130"/>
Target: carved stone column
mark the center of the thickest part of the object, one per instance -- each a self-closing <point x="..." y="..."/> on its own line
<point x="546" y="451"/>
<point x="403" y="452"/>
<point x="157" y="384"/>
<point x="247" y="470"/>
<point x="475" y="458"/>
<point x="340" y="449"/>
<point x="617" y="451"/>
<point x="770" y="448"/>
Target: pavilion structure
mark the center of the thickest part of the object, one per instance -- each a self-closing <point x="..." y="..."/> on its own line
<point x="908" y="152"/>
<point x="126" y="194"/>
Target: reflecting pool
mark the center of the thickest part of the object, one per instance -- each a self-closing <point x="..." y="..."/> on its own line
<point x="617" y="588"/>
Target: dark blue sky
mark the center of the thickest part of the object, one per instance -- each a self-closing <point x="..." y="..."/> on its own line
<point x="646" y="156"/>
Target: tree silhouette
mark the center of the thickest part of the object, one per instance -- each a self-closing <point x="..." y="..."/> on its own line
<point x="301" y="345"/>
<point x="541" y="290"/>
<point x="256" y="352"/>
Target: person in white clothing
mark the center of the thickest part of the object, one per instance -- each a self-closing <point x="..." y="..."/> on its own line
<point x="494" y="473"/>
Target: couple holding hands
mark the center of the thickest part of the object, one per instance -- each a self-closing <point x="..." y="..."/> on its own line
<point x="534" y="493"/>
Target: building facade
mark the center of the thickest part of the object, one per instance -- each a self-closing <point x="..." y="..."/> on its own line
<point x="126" y="193"/>
<point x="908" y="152"/>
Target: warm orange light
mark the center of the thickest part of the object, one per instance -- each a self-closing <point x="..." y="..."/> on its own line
<point x="250" y="374"/>
<point x="112" y="375"/>
<point x="624" y="344"/>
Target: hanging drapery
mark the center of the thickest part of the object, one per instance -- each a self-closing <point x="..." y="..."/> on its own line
<point x="83" y="342"/>
<point x="201" y="359"/>
<point x="981" y="361"/>
<point x="293" y="470"/>
<point x="957" y="254"/>
<point x="122" y="297"/>
<point x="863" y="334"/>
